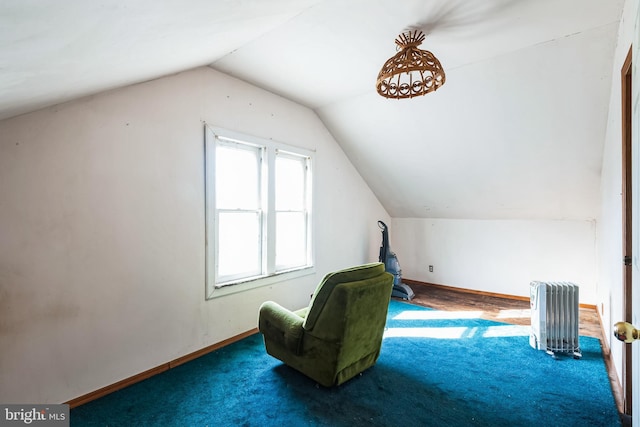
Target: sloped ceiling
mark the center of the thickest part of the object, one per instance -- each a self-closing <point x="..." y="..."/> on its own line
<point x="55" y="51"/>
<point x="517" y="131"/>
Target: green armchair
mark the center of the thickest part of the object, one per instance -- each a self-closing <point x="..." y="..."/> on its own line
<point x="339" y="334"/>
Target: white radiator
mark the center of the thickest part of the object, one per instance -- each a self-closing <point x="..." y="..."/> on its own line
<point x="555" y="317"/>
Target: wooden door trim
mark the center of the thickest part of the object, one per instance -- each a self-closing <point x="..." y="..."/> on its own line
<point x="626" y="81"/>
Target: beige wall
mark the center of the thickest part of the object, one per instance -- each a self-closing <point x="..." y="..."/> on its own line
<point x="102" y="223"/>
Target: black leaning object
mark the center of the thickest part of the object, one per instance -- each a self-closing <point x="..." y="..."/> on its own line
<point x="391" y="265"/>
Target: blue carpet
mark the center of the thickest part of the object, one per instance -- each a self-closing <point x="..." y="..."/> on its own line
<point x="436" y="368"/>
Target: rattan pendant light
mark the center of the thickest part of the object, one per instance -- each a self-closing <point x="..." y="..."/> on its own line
<point x="411" y="72"/>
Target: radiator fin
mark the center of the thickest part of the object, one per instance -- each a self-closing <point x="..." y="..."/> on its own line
<point x="555" y="317"/>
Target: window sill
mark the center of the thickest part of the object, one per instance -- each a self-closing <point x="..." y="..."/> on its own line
<point x="248" y="284"/>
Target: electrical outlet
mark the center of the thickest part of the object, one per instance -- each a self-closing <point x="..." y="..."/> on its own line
<point x="431" y="269"/>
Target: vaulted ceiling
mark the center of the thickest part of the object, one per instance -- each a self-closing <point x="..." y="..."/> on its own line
<point x="517" y="131"/>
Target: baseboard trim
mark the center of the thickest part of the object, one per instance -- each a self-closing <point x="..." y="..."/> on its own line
<point x="605" y="345"/>
<point x="477" y="292"/>
<point x="616" y="385"/>
<point x="86" y="398"/>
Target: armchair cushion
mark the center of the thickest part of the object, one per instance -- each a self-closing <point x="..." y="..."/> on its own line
<point x="281" y="325"/>
<point x="325" y="288"/>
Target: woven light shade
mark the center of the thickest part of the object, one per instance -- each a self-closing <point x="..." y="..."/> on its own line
<point x="410" y="72"/>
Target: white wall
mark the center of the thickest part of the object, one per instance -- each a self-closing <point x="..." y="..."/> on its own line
<point x="501" y="256"/>
<point x="609" y="223"/>
<point x="102" y="222"/>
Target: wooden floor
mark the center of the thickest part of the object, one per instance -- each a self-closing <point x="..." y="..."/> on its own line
<point x="502" y="309"/>
<point x="513" y="310"/>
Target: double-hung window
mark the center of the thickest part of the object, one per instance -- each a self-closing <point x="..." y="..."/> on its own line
<point x="258" y="211"/>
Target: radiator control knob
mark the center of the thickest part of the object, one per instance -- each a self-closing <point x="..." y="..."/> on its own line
<point x="625" y="332"/>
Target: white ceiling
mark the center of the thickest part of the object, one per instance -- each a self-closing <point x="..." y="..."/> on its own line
<point x="517" y="131"/>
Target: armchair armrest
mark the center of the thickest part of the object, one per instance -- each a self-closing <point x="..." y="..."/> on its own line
<point x="281" y="325"/>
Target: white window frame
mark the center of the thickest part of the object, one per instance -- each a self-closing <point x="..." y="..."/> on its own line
<point x="270" y="275"/>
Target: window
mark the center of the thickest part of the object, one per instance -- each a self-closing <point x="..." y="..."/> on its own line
<point x="291" y="210"/>
<point x="258" y="211"/>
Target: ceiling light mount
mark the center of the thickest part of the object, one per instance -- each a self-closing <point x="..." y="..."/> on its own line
<point x="412" y="71"/>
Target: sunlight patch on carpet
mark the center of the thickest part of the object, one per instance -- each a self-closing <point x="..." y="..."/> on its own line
<point x="506" y="331"/>
<point x="437" y="315"/>
<point x="450" y="333"/>
<point x="461" y="332"/>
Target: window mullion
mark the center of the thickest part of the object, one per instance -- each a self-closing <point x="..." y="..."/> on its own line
<point x="270" y="211"/>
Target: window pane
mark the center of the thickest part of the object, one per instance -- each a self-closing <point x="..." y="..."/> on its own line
<point x="237" y="178"/>
<point x="291" y="240"/>
<point x="290" y="183"/>
<point x="239" y="239"/>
